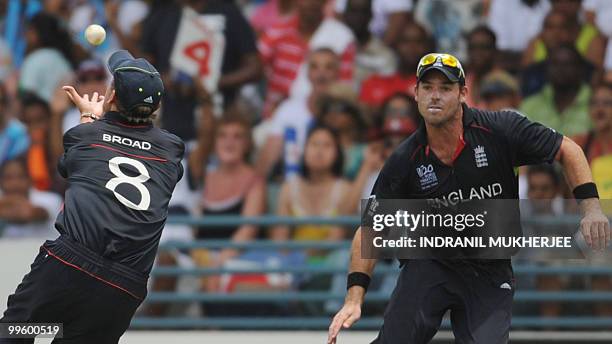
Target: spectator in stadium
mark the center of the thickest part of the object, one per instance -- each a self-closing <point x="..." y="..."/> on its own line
<point x="482" y="57"/>
<point x="272" y="13"/>
<point x="240" y="63"/>
<point x="124" y="19"/>
<point x="231" y="188"/>
<point x="284" y="49"/>
<point x="49" y="58"/>
<point x="58" y="8"/>
<point x="413" y="43"/>
<point x="13" y="134"/>
<point x="373" y="56"/>
<point x="562" y="26"/>
<point x="515" y="23"/>
<point x="27" y="211"/>
<point x="599" y="13"/>
<point x="543" y="190"/>
<point x="36" y="115"/>
<point x="319" y="190"/>
<point x="340" y="111"/>
<point x="449" y="21"/>
<point x="597" y="142"/>
<point x="289" y="126"/>
<point x="121" y="19"/>
<point x="389" y="16"/>
<point x="499" y="90"/>
<point x="399" y="118"/>
<point x="563" y="103"/>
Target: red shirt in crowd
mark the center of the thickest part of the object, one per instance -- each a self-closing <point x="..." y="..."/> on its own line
<point x="283" y="51"/>
<point x="378" y="88"/>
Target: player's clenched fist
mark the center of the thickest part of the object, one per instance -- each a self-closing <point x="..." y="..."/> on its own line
<point x="594" y="226"/>
<point x="346" y="317"/>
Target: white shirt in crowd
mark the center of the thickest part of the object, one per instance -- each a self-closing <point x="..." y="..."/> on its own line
<point x="49" y="201"/>
<point x="292" y="113"/>
<point x="515" y="23"/>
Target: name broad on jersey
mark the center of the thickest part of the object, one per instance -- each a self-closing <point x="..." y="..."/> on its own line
<point x="126" y="141"/>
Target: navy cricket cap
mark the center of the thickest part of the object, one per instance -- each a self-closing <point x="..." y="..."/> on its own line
<point x="445" y="63"/>
<point x="137" y="82"/>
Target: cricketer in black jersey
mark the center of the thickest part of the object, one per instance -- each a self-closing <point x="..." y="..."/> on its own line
<point x="461" y="153"/>
<point x="121" y="173"/>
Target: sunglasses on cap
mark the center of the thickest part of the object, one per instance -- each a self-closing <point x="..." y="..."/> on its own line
<point x="446" y="63"/>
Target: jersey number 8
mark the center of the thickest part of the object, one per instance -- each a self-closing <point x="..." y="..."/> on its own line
<point x="137" y="182"/>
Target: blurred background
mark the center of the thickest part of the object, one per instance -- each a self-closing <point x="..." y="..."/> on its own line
<point x="289" y="109"/>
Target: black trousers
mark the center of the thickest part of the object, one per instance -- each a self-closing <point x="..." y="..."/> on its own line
<point x="480" y="305"/>
<point x="90" y="310"/>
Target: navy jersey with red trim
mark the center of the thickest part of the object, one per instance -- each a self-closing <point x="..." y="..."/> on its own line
<point x="120" y="181"/>
<point x="493" y="144"/>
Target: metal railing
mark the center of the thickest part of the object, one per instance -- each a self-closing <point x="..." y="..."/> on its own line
<point x="321" y="322"/>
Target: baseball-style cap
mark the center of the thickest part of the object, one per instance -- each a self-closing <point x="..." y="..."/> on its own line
<point x="445" y="63"/>
<point x="137" y="82"/>
<point x="498" y="83"/>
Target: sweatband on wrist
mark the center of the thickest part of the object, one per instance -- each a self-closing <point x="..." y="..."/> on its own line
<point x="584" y="191"/>
<point x="357" y="278"/>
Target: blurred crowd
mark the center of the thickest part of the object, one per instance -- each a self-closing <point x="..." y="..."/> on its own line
<point x="290" y="107"/>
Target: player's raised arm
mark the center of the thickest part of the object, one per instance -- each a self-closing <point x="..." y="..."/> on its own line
<point x="91" y="109"/>
<point x="358" y="280"/>
<point x="594" y="225"/>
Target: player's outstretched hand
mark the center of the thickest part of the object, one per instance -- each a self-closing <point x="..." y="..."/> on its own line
<point x="596" y="229"/>
<point x="345" y="318"/>
<point x="83" y="103"/>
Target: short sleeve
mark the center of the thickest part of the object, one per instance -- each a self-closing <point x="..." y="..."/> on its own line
<point x="390" y="181"/>
<point x="382" y="186"/>
<point x="529" y="142"/>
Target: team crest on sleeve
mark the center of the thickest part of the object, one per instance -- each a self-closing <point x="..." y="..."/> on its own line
<point x="480" y="156"/>
<point x="428" y="176"/>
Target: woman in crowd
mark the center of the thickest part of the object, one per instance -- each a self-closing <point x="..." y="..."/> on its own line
<point x="344" y="116"/>
<point x="231" y="187"/>
<point x="319" y="190"/>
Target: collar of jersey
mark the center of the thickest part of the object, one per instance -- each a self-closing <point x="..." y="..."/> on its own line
<point x="468" y="118"/>
<point x="116" y="117"/>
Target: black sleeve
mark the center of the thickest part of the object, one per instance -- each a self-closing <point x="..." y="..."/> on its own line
<point x="390" y="183"/>
<point x="71" y="137"/>
<point x="529" y="142"/>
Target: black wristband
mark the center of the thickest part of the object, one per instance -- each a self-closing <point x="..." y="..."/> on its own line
<point x="584" y="191"/>
<point x="357" y="278"/>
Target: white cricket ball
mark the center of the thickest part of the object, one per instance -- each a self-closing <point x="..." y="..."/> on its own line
<point x="95" y="34"/>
